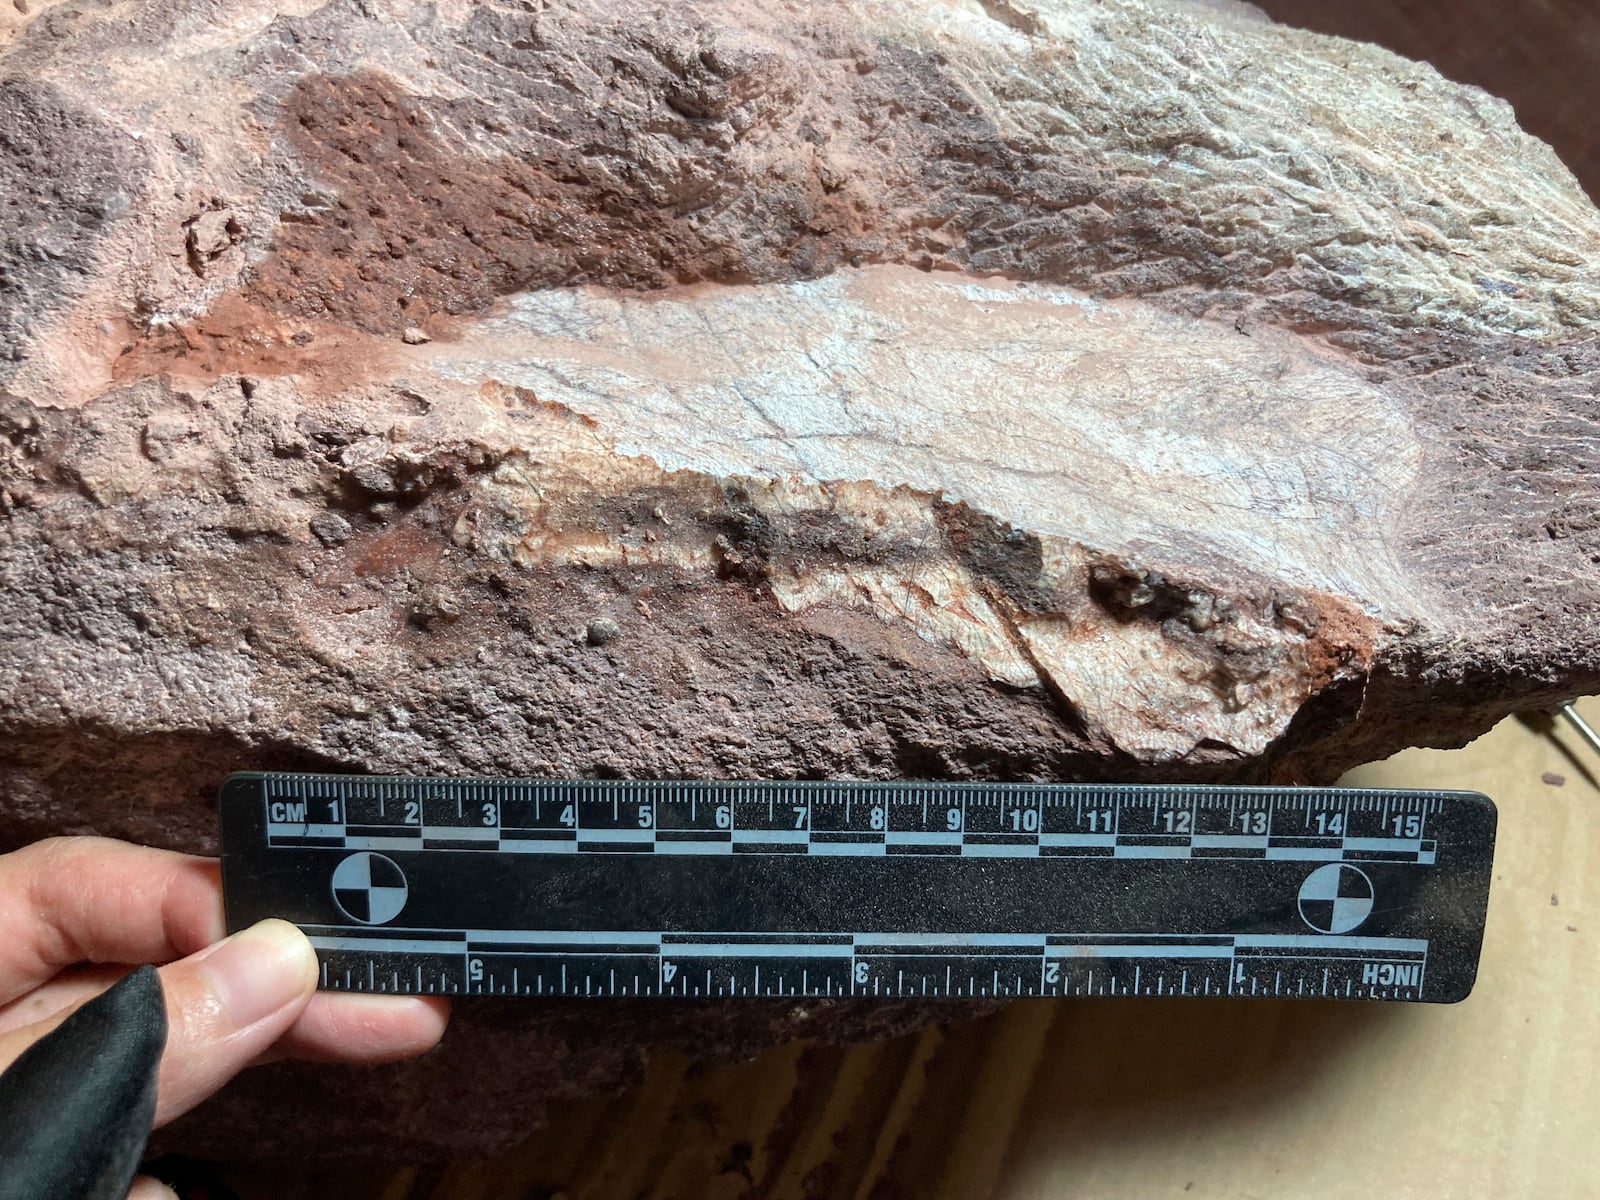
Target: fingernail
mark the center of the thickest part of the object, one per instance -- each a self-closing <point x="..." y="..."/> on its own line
<point x="259" y="970"/>
<point x="146" y="1188"/>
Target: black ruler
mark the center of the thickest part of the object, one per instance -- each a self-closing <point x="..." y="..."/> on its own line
<point x="698" y="889"/>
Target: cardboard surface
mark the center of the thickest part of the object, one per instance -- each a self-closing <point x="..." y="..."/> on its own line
<point x="1113" y="1099"/>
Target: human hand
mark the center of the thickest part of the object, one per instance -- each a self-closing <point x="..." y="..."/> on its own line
<point x="75" y="912"/>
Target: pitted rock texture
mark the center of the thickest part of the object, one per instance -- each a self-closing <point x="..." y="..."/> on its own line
<point x="1065" y="390"/>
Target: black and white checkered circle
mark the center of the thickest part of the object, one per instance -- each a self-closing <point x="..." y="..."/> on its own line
<point x="369" y="888"/>
<point x="1335" y="898"/>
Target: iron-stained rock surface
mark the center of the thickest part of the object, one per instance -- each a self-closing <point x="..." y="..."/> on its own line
<point x="1124" y="389"/>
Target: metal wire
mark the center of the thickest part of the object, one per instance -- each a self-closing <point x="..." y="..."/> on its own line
<point x="1583" y="728"/>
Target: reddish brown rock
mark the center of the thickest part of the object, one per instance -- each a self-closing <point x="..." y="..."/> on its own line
<point x="1046" y="391"/>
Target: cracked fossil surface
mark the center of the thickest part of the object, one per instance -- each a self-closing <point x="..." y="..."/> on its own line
<point x="1120" y="390"/>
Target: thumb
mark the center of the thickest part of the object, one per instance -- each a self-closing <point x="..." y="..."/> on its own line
<point x="226" y="1006"/>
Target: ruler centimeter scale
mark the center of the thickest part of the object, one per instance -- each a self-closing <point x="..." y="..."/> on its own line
<point x="686" y="889"/>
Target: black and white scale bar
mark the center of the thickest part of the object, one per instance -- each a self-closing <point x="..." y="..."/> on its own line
<point x="685" y="890"/>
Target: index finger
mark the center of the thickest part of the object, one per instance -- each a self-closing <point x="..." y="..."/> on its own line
<point x="86" y="899"/>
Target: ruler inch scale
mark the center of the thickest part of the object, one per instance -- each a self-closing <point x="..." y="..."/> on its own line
<point x="689" y="889"/>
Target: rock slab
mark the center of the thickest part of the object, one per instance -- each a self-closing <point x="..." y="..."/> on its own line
<point x="1122" y="390"/>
